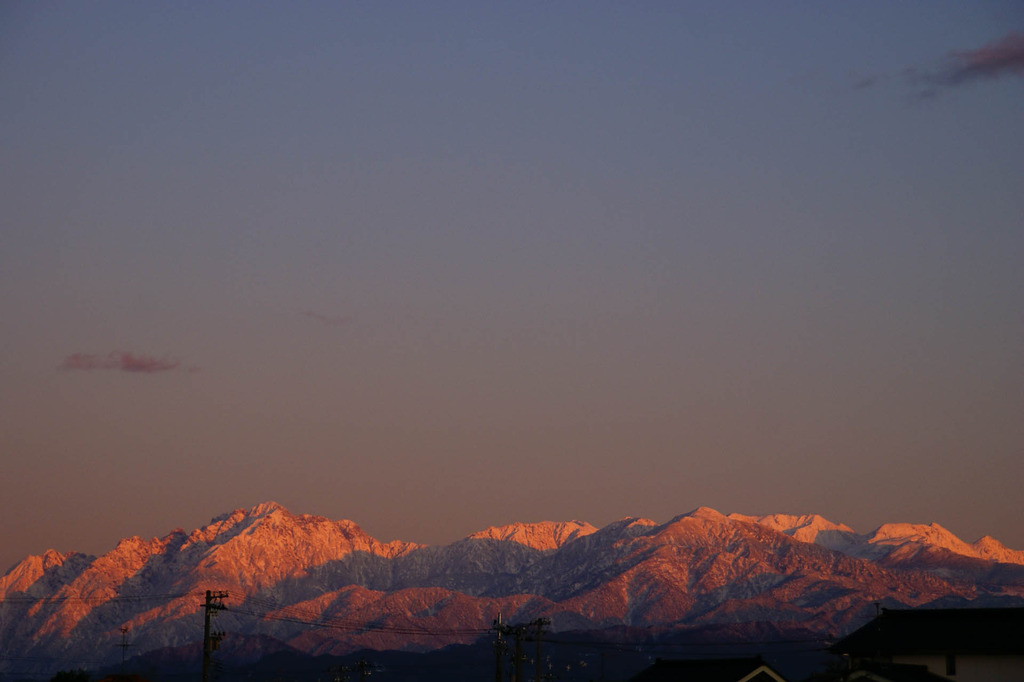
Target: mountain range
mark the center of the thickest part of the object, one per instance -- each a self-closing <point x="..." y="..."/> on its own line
<point x="302" y="583"/>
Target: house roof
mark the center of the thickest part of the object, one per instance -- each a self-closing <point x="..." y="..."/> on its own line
<point x="709" y="670"/>
<point x="938" y="631"/>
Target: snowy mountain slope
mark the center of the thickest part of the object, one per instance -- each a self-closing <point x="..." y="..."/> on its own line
<point x="809" y="528"/>
<point x="323" y="586"/>
<point x="544" y="536"/>
<point x="910" y="538"/>
<point x="899" y="539"/>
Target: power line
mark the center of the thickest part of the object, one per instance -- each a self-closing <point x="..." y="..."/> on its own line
<point x="821" y="644"/>
<point x="64" y="598"/>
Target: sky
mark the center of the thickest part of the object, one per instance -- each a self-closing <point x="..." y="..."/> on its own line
<point x="434" y="267"/>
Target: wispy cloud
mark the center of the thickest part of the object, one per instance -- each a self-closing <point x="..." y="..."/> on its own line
<point x="332" y="320"/>
<point x="1002" y="57"/>
<point x="122" y="361"/>
<point x="1005" y="56"/>
<point x="865" y="82"/>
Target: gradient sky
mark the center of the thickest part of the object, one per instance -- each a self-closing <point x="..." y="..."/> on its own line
<point x="439" y="266"/>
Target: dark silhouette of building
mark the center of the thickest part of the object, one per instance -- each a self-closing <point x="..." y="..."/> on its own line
<point x="967" y="645"/>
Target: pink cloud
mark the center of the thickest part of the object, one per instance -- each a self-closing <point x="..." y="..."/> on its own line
<point x="1004" y="56"/>
<point x="119" y="360"/>
<point x="989" y="61"/>
<point x="1001" y="57"/>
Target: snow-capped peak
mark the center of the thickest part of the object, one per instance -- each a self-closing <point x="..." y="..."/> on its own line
<point x="991" y="549"/>
<point x="27" y="571"/>
<point x="246" y="516"/>
<point x="933" y="534"/>
<point x="909" y="538"/>
<point x="804" y="527"/>
<point x="705" y="513"/>
<point x="544" y="535"/>
<point x="266" y="508"/>
<point x="792" y="524"/>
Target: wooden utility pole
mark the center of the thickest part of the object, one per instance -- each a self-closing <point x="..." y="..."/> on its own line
<point x="124" y="646"/>
<point x="211" y="640"/>
<point x="540" y="623"/>
<point x="518" y="658"/>
<point x="518" y="632"/>
<point x="499" y="649"/>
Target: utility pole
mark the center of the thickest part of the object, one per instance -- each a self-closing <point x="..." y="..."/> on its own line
<point x="539" y="623"/>
<point x="124" y="645"/>
<point x="518" y="632"/>
<point x="211" y="640"/>
<point x="499" y="649"/>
